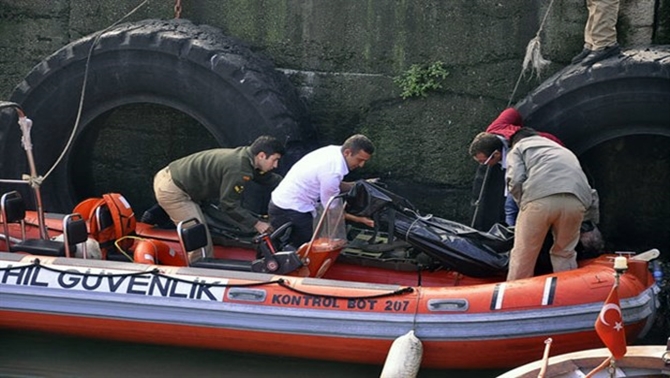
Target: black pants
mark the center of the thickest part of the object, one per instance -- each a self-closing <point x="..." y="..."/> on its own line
<point x="302" y="223"/>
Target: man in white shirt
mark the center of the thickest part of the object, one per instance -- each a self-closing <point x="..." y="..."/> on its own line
<point x="314" y="179"/>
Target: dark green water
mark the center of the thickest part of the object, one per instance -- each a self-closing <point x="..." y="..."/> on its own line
<point x="29" y="354"/>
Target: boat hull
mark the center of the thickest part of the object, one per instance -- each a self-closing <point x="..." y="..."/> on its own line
<point x="316" y="318"/>
<point x="639" y="361"/>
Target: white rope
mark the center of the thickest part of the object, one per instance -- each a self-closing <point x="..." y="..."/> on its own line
<point x="83" y="87"/>
<point x="418" y="218"/>
<point x="533" y="59"/>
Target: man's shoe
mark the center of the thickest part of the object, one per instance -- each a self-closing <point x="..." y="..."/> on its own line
<point x="598" y="55"/>
<point x="578" y="58"/>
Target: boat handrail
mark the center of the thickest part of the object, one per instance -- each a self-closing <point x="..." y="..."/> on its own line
<point x="33" y="179"/>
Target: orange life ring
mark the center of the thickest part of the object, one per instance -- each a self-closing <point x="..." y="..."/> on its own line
<point x="152" y="251"/>
<point x="145" y="252"/>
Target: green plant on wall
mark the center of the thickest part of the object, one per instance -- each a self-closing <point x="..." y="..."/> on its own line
<point x="418" y="80"/>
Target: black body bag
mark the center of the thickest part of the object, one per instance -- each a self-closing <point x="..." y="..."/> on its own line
<point x="455" y="246"/>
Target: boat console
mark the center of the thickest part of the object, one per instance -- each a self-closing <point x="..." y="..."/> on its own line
<point x="270" y="256"/>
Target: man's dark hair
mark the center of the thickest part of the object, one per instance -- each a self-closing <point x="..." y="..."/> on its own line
<point x="485" y="143"/>
<point x="357" y="143"/>
<point x="523" y="132"/>
<point x="269" y="145"/>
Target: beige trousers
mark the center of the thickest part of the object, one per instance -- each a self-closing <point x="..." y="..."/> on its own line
<point x="179" y="206"/>
<point x="600" y="30"/>
<point x="560" y="213"/>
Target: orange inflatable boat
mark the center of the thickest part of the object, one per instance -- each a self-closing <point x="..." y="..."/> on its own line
<point x="334" y="306"/>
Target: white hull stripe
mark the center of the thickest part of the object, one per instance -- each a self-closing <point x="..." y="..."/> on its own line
<point x="547" y="295"/>
<point x="498" y="295"/>
<point x="549" y="291"/>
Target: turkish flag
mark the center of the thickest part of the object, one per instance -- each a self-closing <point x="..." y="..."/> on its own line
<point x="609" y="325"/>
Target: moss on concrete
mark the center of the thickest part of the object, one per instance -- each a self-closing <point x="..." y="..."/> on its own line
<point x="623" y="29"/>
<point x="662" y="32"/>
<point x="342" y="55"/>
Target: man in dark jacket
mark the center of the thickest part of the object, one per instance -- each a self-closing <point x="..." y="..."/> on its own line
<point x="491" y="147"/>
<point x="218" y="174"/>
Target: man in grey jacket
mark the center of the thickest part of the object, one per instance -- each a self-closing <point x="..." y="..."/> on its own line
<point x="552" y="191"/>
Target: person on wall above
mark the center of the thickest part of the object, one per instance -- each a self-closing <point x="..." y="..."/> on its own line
<point x="600" y="38"/>
<point x="553" y="193"/>
<point x="218" y="174"/>
<point x="491" y="146"/>
<point x="312" y="181"/>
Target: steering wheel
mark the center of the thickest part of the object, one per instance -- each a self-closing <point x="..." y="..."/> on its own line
<point x="281" y="235"/>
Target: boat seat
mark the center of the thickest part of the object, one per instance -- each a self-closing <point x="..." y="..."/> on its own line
<point x="13" y="210"/>
<point x="75" y="232"/>
<point x="42" y="247"/>
<point x="224" y="264"/>
<point x="193" y="238"/>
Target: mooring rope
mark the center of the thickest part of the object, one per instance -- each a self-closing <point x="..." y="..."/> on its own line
<point x="83" y="87"/>
<point x="533" y="58"/>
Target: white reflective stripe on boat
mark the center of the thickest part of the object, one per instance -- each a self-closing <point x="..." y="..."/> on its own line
<point x="538" y="321"/>
<point x="549" y="291"/>
<point x="547" y="294"/>
<point x="498" y="296"/>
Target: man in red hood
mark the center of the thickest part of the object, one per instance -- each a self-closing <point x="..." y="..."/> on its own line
<point x="490" y="148"/>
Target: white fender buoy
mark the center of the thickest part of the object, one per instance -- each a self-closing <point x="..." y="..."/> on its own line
<point x="404" y="357"/>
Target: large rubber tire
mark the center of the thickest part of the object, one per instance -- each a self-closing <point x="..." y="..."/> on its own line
<point x="611" y="115"/>
<point x="234" y="93"/>
<point x="586" y="106"/>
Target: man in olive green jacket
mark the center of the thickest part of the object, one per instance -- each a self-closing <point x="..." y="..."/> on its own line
<point x="218" y="174"/>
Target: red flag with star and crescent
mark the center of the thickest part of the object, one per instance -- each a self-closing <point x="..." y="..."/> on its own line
<point x="609" y="325"/>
